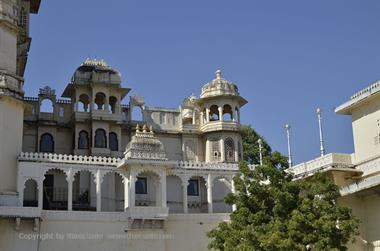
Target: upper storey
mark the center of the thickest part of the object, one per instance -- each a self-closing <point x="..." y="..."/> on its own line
<point x="364" y="107"/>
<point x="14" y="44"/>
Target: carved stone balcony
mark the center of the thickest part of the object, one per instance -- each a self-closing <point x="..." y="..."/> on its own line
<point x="328" y="162"/>
<point x="150" y="213"/>
<point x="220" y="126"/>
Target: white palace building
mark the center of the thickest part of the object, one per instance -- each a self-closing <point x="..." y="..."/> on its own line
<point x="98" y="170"/>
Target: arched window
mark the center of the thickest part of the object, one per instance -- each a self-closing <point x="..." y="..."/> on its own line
<point x="83" y="103"/>
<point x="46" y="143"/>
<point x="114" y="143"/>
<point x="214" y="113"/>
<point x="47" y="106"/>
<point x="100" y="138"/>
<point x="112" y="103"/>
<point x="227" y="113"/>
<point x="215" y="149"/>
<point x="83" y="140"/>
<point x="100" y="99"/>
<point x="229" y="149"/>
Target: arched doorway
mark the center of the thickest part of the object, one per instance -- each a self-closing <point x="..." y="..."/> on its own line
<point x="84" y="191"/>
<point x="174" y="194"/>
<point x="221" y="187"/>
<point x="30" y="194"/>
<point x="55" y="190"/>
<point x="197" y="195"/>
<point x="112" y="193"/>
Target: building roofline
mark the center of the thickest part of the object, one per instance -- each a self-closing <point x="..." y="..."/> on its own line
<point x="358" y="98"/>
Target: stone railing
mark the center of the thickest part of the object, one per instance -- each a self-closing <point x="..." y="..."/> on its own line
<point x="23" y="212"/>
<point x="211" y="165"/>
<point x="369" y="167"/>
<point x="148" y="212"/>
<point x="332" y="160"/>
<point x="360" y="185"/>
<point x="220" y="125"/>
<point x="63" y="158"/>
<point x="204" y="165"/>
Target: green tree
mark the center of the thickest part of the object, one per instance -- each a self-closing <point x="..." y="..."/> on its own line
<point x="276" y="212"/>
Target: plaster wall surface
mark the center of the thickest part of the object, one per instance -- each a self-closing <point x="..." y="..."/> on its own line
<point x="366" y="130"/>
<point x="93" y="236"/>
<point x="11" y="113"/>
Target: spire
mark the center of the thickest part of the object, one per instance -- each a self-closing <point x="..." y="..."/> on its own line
<point x="218" y="74"/>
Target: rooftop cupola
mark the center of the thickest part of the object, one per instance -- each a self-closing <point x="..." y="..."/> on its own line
<point x="219" y="87"/>
<point x="95" y="71"/>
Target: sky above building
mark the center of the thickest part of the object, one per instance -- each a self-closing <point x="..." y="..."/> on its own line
<point x="287" y="57"/>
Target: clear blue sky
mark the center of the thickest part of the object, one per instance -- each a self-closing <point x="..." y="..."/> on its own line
<point x="287" y="57"/>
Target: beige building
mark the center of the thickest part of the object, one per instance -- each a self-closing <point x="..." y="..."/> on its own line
<point x="98" y="169"/>
<point x="357" y="174"/>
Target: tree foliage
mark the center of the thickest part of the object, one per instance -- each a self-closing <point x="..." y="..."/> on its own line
<point x="276" y="212"/>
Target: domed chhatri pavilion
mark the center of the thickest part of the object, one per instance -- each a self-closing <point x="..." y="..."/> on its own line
<point x="98" y="170"/>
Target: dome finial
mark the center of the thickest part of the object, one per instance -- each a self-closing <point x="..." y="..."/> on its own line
<point x="218" y="74"/>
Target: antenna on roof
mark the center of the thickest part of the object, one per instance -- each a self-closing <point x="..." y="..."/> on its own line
<point x="319" y="115"/>
<point x="287" y="128"/>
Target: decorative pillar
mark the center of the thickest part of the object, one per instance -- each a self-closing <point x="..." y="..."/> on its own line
<point x="202" y="118"/>
<point x="69" y="180"/>
<point x="233" y="191"/>
<point x="185" y="183"/>
<point x="132" y="184"/>
<point x="222" y="150"/>
<point x="220" y="109"/>
<point x="21" y="188"/>
<point x="40" y="192"/>
<point x="209" y="193"/>
<point x="234" y="114"/>
<point x="238" y="115"/>
<point x="236" y="147"/>
<point x="193" y="117"/>
<point x="98" y="191"/>
<point x="163" y="189"/>
<point x="207" y="115"/>
<point x="207" y="157"/>
<point x="126" y="193"/>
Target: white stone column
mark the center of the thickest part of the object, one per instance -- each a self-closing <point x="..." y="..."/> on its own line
<point x="202" y="118"/>
<point x="132" y="184"/>
<point x="236" y="146"/>
<point x="207" y="150"/>
<point x="222" y="150"/>
<point x="163" y="189"/>
<point x="98" y="191"/>
<point x="126" y="193"/>
<point x="220" y="109"/>
<point x="193" y="117"/>
<point x="207" y="115"/>
<point x="40" y="192"/>
<point x="233" y="191"/>
<point x="69" y="191"/>
<point x="209" y="193"/>
<point x="185" y="183"/>
<point x="234" y="114"/>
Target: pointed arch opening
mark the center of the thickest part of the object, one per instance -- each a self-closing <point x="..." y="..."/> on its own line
<point x="30" y="193"/>
<point x="47" y="143"/>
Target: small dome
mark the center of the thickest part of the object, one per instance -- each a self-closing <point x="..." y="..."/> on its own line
<point x="189" y="101"/>
<point x="219" y="86"/>
<point x="96" y="71"/>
